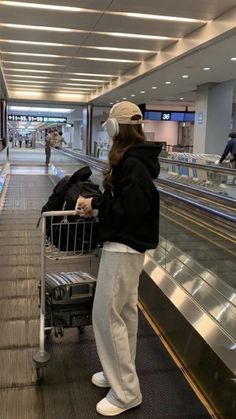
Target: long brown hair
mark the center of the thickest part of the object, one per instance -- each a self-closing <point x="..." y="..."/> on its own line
<point x="129" y="136"/>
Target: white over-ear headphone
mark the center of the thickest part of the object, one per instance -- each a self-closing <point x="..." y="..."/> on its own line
<point x="112" y="127"/>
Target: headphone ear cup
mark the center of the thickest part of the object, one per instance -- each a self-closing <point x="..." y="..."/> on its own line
<point x="112" y="127"/>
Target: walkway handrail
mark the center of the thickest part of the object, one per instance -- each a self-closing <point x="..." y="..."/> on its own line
<point x="202" y="207"/>
<point x="187" y="201"/>
<point x="215" y="169"/>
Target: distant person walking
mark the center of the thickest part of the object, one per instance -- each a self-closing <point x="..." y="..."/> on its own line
<point x="230" y="149"/>
<point x="48" y="143"/>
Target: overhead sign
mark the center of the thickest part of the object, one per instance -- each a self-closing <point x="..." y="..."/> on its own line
<point x="32" y="118"/>
<point x="176" y="116"/>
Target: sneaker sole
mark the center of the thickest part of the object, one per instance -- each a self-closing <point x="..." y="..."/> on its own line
<point x="116" y="413"/>
<point x="100" y="384"/>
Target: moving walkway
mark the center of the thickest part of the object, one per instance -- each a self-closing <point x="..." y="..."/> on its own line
<point x="189" y="305"/>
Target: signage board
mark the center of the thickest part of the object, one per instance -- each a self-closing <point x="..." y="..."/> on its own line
<point x="200" y="118"/>
<point x="39" y="118"/>
<point x="176" y="116"/>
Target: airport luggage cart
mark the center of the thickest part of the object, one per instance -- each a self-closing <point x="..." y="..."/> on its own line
<point x="64" y="223"/>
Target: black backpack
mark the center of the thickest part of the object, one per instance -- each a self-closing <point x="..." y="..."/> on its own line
<point x="73" y="232"/>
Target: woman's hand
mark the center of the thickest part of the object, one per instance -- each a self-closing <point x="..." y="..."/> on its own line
<point x="84" y="204"/>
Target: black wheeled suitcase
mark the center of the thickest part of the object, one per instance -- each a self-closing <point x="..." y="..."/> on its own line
<point x="69" y="300"/>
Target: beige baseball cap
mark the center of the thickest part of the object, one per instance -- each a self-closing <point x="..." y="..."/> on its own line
<point x="124" y="111"/>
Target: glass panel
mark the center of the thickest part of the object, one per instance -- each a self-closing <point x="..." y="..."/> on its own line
<point x="219" y="183"/>
<point x="200" y="259"/>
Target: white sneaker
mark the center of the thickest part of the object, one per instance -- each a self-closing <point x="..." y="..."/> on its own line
<point x="105" y="408"/>
<point x="99" y="380"/>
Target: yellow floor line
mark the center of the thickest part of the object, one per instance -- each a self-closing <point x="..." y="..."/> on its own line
<point x="201" y="235"/>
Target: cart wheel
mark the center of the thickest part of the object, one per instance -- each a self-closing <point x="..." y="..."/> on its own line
<point x="81" y="329"/>
<point x="56" y="331"/>
<point x="47" y="333"/>
<point x="40" y="373"/>
<point x="61" y="331"/>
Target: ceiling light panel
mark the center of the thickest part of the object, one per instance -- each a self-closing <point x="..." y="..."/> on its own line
<point x="73" y="9"/>
<point x="33" y="54"/>
<point x="146" y="26"/>
<point x="37" y="43"/>
<point x="26" y="70"/>
<point x="55" y="8"/>
<point x="33" y="64"/>
<point x="39" y="109"/>
<point x="198" y="10"/>
<point x="107" y="33"/>
<point x="119" y="42"/>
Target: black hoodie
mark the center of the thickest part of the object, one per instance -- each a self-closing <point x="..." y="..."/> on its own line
<point x="129" y="213"/>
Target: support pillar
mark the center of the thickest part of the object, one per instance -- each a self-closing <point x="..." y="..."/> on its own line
<point x="213" y="119"/>
<point x="89" y="129"/>
<point x="3" y="124"/>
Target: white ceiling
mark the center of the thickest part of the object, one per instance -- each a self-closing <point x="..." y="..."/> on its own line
<point x="65" y="72"/>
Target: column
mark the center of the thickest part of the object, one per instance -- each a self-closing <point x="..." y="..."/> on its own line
<point x="77" y="141"/>
<point x="89" y="129"/>
<point x="213" y="119"/>
<point x="3" y="124"/>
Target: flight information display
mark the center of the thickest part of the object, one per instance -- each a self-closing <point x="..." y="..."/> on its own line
<point x="169" y="116"/>
<point x="39" y="118"/>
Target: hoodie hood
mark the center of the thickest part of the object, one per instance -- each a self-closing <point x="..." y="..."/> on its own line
<point x="148" y="153"/>
<point x="81" y="175"/>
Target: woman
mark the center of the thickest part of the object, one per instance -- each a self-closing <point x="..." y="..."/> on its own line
<point x="128" y="226"/>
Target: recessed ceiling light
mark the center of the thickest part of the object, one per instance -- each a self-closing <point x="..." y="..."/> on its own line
<point x="132" y="95"/>
<point x="111" y="103"/>
<point x="233" y="59"/>
<point x="181" y="98"/>
<point x="206" y="68"/>
<point x="142" y="91"/>
<point x="185" y="76"/>
<point x="154" y="87"/>
<point x="168" y="82"/>
<point x="124" y="98"/>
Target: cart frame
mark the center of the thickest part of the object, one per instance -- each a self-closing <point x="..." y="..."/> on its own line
<point x="48" y="250"/>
